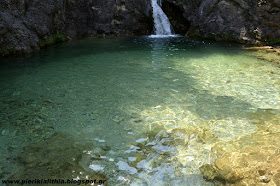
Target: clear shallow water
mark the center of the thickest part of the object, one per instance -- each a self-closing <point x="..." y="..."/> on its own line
<point x="142" y="111"/>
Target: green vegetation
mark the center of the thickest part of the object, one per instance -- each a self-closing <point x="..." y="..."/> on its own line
<point x="57" y="38"/>
<point x="222" y="37"/>
<point x="254" y="35"/>
<point x="272" y="41"/>
<point x="195" y="33"/>
<point x="5" y="52"/>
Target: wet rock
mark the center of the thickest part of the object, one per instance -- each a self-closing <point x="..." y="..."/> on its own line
<point x="85" y="161"/>
<point x="264" y="179"/>
<point x="99" y="151"/>
<point x="95" y="157"/>
<point x="139" y="157"/>
<point x="261" y="172"/>
<point x="124" y="166"/>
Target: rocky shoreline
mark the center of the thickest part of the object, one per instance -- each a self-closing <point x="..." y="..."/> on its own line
<point x="27" y="26"/>
<point x="267" y="53"/>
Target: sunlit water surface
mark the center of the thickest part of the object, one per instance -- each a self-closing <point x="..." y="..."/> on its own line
<point x="140" y="111"/>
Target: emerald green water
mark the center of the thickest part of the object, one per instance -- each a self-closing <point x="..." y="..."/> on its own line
<point x="130" y="108"/>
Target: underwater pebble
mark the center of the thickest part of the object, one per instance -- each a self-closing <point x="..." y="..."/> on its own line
<point x="151" y="143"/>
<point x="96" y="167"/>
<point x="121" y="178"/>
<point x="175" y="90"/>
<point x="99" y="151"/>
<point x="141" y="140"/>
<point x="101" y="141"/>
<point x="144" y="164"/>
<point x="132" y="149"/>
<point x="130" y="159"/>
<point x="124" y="166"/>
<point x="161" y="148"/>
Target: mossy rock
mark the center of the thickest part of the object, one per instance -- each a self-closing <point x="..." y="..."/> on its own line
<point x="59" y="157"/>
<point x="57" y="38"/>
<point x="196" y="33"/>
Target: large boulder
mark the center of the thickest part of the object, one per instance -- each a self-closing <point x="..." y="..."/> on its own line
<point x="27" y="25"/>
<point x="241" y="20"/>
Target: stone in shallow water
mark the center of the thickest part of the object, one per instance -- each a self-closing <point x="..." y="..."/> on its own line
<point x="124" y="166"/>
<point x="232" y="129"/>
<point x="130" y="159"/>
<point x="59" y="157"/>
<point x="257" y="162"/>
<point x="96" y="168"/>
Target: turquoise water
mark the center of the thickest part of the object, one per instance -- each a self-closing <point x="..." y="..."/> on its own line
<point x="130" y="109"/>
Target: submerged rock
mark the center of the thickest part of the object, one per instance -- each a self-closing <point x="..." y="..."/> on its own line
<point x="254" y="159"/>
<point x="59" y="158"/>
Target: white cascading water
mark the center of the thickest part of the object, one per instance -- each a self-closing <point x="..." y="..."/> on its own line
<point x="161" y="22"/>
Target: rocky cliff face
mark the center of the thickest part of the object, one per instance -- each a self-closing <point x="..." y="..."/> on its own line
<point x="27" y="25"/>
<point x="244" y="20"/>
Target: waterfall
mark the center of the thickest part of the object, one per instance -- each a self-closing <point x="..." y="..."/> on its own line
<point x="161" y="22"/>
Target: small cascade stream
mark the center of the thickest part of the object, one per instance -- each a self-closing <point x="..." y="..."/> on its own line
<point x="161" y="22"/>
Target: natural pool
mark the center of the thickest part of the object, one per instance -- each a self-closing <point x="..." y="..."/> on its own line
<point x="141" y="111"/>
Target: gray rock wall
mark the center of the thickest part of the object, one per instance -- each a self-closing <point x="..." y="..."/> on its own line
<point x="27" y="25"/>
<point x="244" y="20"/>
